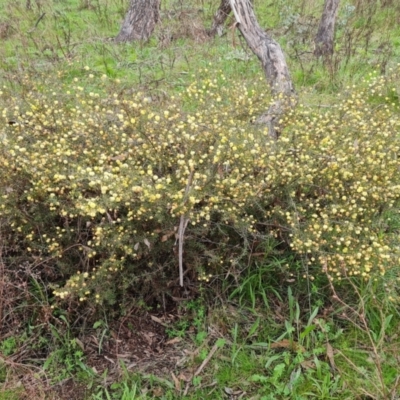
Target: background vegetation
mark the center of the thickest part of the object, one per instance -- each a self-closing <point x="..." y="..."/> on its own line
<point x="291" y="248"/>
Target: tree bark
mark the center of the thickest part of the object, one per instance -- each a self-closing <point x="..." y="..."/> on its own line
<point x="220" y="17"/>
<point x="273" y="62"/>
<point x="326" y="31"/>
<point x="139" y="21"/>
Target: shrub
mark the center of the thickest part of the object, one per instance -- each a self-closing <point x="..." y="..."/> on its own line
<point x="95" y="183"/>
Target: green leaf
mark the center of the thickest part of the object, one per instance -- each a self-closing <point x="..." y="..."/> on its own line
<point x="306" y="331"/>
<point x="312" y="316"/>
<point x="271" y="360"/>
<point x="97" y="324"/>
<point x="258" y="378"/>
<point x="254" y="327"/>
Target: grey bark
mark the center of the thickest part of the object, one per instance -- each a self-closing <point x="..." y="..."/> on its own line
<point x="140" y="20"/>
<point x="273" y="62"/>
<point x="324" y="41"/>
<point x="220" y="18"/>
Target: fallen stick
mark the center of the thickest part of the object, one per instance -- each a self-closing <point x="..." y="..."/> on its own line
<point x="203" y="364"/>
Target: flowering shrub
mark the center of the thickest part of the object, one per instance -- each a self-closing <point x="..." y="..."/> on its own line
<point x="93" y="184"/>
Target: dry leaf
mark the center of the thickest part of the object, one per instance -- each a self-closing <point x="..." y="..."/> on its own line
<point x="158" y="320"/>
<point x="288" y="344"/>
<point x="185" y="378"/>
<point x="174" y="340"/>
<point x="120" y="157"/>
<point x="95" y="340"/>
<point x="331" y="358"/>
<point x="228" y="391"/>
<point x="147" y="243"/>
<point x="110" y="220"/>
<point x="148" y="336"/>
<point x="80" y="344"/>
<point x="177" y="382"/>
<point x="158" y="392"/>
<point x="168" y="235"/>
<point x="308" y="364"/>
<point x="124" y="355"/>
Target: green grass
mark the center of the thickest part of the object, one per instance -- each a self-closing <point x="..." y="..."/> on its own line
<point x="71" y="36"/>
<point x="306" y="356"/>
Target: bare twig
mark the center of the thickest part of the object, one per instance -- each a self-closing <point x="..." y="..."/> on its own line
<point x="203" y="364"/>
<point x="207" y="359"/>
<point x="181" y="231"/>
<point x="37" y="22"/>
<point x="181" y="234"/>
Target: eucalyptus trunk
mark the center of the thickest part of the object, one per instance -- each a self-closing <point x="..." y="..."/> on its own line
<point x="324" y="41"/>
<point x="140" y="20"/>
<point x="273" y="62"/>
<point x="220" y="18"/>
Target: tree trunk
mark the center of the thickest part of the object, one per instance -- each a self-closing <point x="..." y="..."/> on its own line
<point x="220" y="17"/>
<point x="273" y="61"/>
<point x="139" y="21"/>
<point x="326" y="29"/>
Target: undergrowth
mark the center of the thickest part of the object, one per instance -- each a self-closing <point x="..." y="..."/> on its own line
<point x="88" y="196"/>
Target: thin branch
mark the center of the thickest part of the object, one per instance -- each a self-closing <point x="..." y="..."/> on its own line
<point x="37" y="23"/>
<point x="182" y="227"/>
<point x="203" y="364"/>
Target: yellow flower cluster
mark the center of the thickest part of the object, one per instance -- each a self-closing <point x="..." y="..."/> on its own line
<point x="97" y="182"/>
